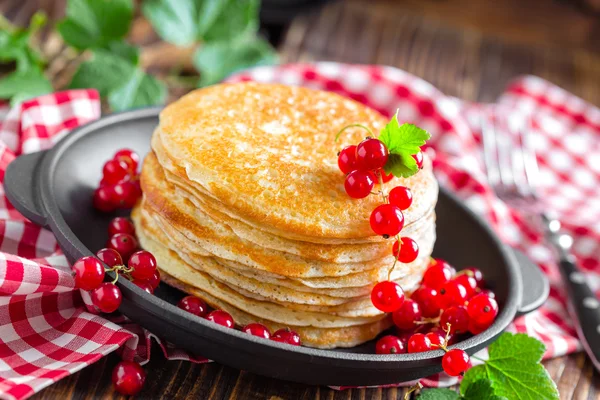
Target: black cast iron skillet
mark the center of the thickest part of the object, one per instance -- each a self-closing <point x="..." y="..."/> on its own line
<point x="54" y="189"/>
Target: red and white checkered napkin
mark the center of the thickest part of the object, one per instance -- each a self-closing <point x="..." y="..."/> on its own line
<point x="46" y="332"/>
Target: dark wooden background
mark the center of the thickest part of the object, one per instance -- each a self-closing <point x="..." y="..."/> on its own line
<point x="467" y="48"/>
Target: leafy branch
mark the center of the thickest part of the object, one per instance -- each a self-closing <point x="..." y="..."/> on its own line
<point x="224" y="32"/>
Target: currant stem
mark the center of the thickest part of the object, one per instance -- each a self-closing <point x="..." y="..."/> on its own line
<point x="415" y="387"/>
<point x="426" y="321"/>
<point x="337" y="136"/>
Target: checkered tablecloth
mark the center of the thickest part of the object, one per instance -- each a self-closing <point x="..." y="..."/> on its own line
<point x="46" y="332"/>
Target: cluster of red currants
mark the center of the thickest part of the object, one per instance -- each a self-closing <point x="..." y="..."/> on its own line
<point x="446" y="304"/>
<point x="198" y="307"/>
<point x="141" y="267"/>
<point x="363" y="165"/>
<point x="120" y="184"/>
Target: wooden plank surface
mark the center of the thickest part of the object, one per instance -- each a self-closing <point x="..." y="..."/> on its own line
<point x="467" y="48"/>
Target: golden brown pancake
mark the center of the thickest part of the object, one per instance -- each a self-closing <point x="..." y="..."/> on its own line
<point x="244" y="206"/>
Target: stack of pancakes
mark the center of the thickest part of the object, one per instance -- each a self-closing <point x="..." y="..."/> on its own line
<point x="244" y="207"/>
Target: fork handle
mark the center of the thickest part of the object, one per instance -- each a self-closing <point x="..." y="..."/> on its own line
<point x="584" y="308"/>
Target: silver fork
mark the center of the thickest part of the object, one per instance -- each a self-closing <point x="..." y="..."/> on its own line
<point x="513" y="173"/>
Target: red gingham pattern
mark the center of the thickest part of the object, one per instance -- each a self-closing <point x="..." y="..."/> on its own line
<point x="46" y="332"/>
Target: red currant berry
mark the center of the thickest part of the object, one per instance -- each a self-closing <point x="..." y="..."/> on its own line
<point x="477" y="275"/>
<point x="455" y="362"/>
<point x="371" y="154"/>
<point x="115" y="171"/>
<point x="489" y="293"/>
<point x="387" y="220"/>
<point x="406" y="316"/>
<point x="107" y="297"/>
<point x="426" y="297"/>
<point x="439" y="331"/>
<point x="408" y="251"/>
<point x="124" y="243"/>
<point x="154" y="280"/>
<point x="451" y="294"/>
<point x="390" y="344"/>
<point x="437" y="274"/>
<point x="418" y="343"/>
<point x="125" y="194"/>
<point x="482" y="309"/>
<point x="457" y="317"/>
<point x="89" y="273"/>
<point x="436" y="339"/>
<point x="256" y="329"/>
<point x="143" y="264"/>
<point x="120" y="225"/>
<point x="193" y="305"/>
<point x="385" y="178"/>
<point x="103" y="199"/>
<point x="469" y="283"/>
<point x="401" y="196"/>
<point x="359" y="184"/>
<point x="144" y="285"/>
<point x="387" y="296"/>
<point x="221" y="317"/>
<point x="476" y="329"/>
<point x="419" y="159"/>
<point x="286" y="336"/>
<point x="128" y="377"/>
<point x="110" y="257"/>
<point x="130" y="157"/>
<point x="347" y="159"/>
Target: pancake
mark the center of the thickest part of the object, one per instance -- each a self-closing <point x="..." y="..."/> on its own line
<point x="243" y="205"/>
<point x="220" y="241"/>
<point x="261" y="150"/>
<point x="321" y="338"/>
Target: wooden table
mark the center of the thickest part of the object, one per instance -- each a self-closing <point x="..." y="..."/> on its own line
<point x="467" y="48"/>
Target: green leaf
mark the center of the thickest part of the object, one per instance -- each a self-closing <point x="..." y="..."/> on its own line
<point x="95" y="23"/>
<point x="23" y="85"/>
<point x="237" y="18"/>
<point x="218" y="60"/>
<point x="140" y="90"/>
<point x="174" y="21"/>
<point x="401" y="165"/>
<point x="103" y="72"/>
<point x="438" y="394"/>
<point x="405" y="138"/>
<point x="14" y="44"/>
<point x="514" y="369"/>
<point x="481" y="389"/>
<point x="185" y="22"/>
<point x="125" y="50"/>
<point x="119" y="80"/>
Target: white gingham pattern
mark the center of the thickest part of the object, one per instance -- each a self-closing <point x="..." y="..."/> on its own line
<point x="46" y="332"/>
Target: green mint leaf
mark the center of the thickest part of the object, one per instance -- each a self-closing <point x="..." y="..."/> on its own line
<point x="95" y="23"/>
<point x="514" y="369"/>
<point x="139" y="91"/>
<point x="118" y="79"/>
<point x="402" y="141"/>
<point x="217" y="60"/>
<point x="405" y="138"/>
<point x="23" y="85"/>
<point x="401" y="165"/>
<point x="481" y="389"/>
<point x="438" y="394"/>
<point x="184" y="22"/>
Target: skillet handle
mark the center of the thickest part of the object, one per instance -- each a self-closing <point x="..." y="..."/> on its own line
<point x="536" y="287"/>
<point x="21" y="185"/>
